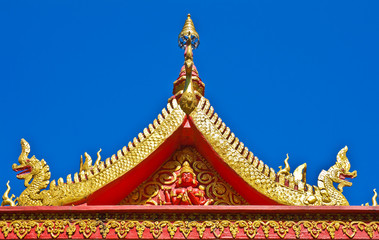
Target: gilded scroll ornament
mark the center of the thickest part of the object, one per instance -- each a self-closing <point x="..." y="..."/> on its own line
<point x="185" y="179"/>
<point x="186" y="190"/>
<point x="218" y="225"/>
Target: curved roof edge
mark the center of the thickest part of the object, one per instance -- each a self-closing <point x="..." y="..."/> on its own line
<point x="105" y="172"/>
<point x="280" y="188"/>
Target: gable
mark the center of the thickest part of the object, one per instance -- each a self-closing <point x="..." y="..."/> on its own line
<point x="163" y="185"/>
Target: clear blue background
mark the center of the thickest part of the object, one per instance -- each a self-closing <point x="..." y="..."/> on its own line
<point x="295" y="77"/>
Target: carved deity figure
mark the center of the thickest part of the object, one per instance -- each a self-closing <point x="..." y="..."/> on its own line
<point x="186" y="190"/>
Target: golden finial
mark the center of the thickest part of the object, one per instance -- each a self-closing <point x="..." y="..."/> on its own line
<point x="188" y="39"/>
<point x="187" y="32"/>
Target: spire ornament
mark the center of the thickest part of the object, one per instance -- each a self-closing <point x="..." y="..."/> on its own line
<point x="188" y="32"/>
<point x="188" y="39"/>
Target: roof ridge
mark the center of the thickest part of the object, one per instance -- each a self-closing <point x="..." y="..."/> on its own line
<point x="122" y="153"/>
<point x="96" y="177"/>
<point x="284" y="189"/>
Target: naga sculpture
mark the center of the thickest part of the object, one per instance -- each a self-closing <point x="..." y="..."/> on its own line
<point x="336" y="174"/>
<point x="36" y="177"/>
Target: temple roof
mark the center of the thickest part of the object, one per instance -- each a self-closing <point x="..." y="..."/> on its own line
<point x="188" y="120"/>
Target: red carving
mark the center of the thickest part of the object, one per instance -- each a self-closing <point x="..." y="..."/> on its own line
<point x="185" y="191"/>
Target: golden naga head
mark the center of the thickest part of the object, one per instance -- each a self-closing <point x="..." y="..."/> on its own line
<point x="341" y="170"/>
<point x="25" y="164"/>
<point x="30" y="167"/>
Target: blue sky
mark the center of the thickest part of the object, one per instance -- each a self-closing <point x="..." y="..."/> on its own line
<point x="295" y="77"/>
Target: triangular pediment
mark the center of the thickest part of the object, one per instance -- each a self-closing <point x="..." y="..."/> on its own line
<point x="169" y="186"/>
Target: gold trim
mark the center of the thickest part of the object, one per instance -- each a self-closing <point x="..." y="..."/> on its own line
<point x="102" y="173"/>
<point x="280" y="188"/>
<point x="188" y="32"/>
<point x="178" y="226"/>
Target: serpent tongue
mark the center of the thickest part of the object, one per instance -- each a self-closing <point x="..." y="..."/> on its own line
<point x="24" y="170"/>
<point x="345" y="177"/>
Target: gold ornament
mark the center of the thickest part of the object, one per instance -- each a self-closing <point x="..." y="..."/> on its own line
<point x="150" y="192"/>
<point x="188" y="99"/>
<point x="186" y="168"/>
<point x="280" y="188"/>
<point x="189" y="226"/>
<point x="6" y="199"/>
<point x="188" y="33"/>
<point x="286" y="170"/>
<point x="37" y="175"/>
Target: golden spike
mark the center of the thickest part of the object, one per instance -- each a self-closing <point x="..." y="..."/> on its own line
<point x="145" y="132"/>
<point x="155" y="122"/>
<point x="286" y="170"/>
<point x="188" y="33"/>
<point x="69" y="179"/>
<point x="300" y="173"/>
<point x="101" y="166"/>
<point x="113" y="158"/>
<point x="60" y="181"/>
<point x="164" y="113"/>
<point x="53" y="184"/>
<point x="95" y="170"/>
<point x="255" y="162"/>
<point x="76" y="178"/>
<point x="82" y="176"/>
<point x="6" y="199"/>
<point x="374" y="202"/>
<point x="107" y="162"/>
<point x="98" y="159"/>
